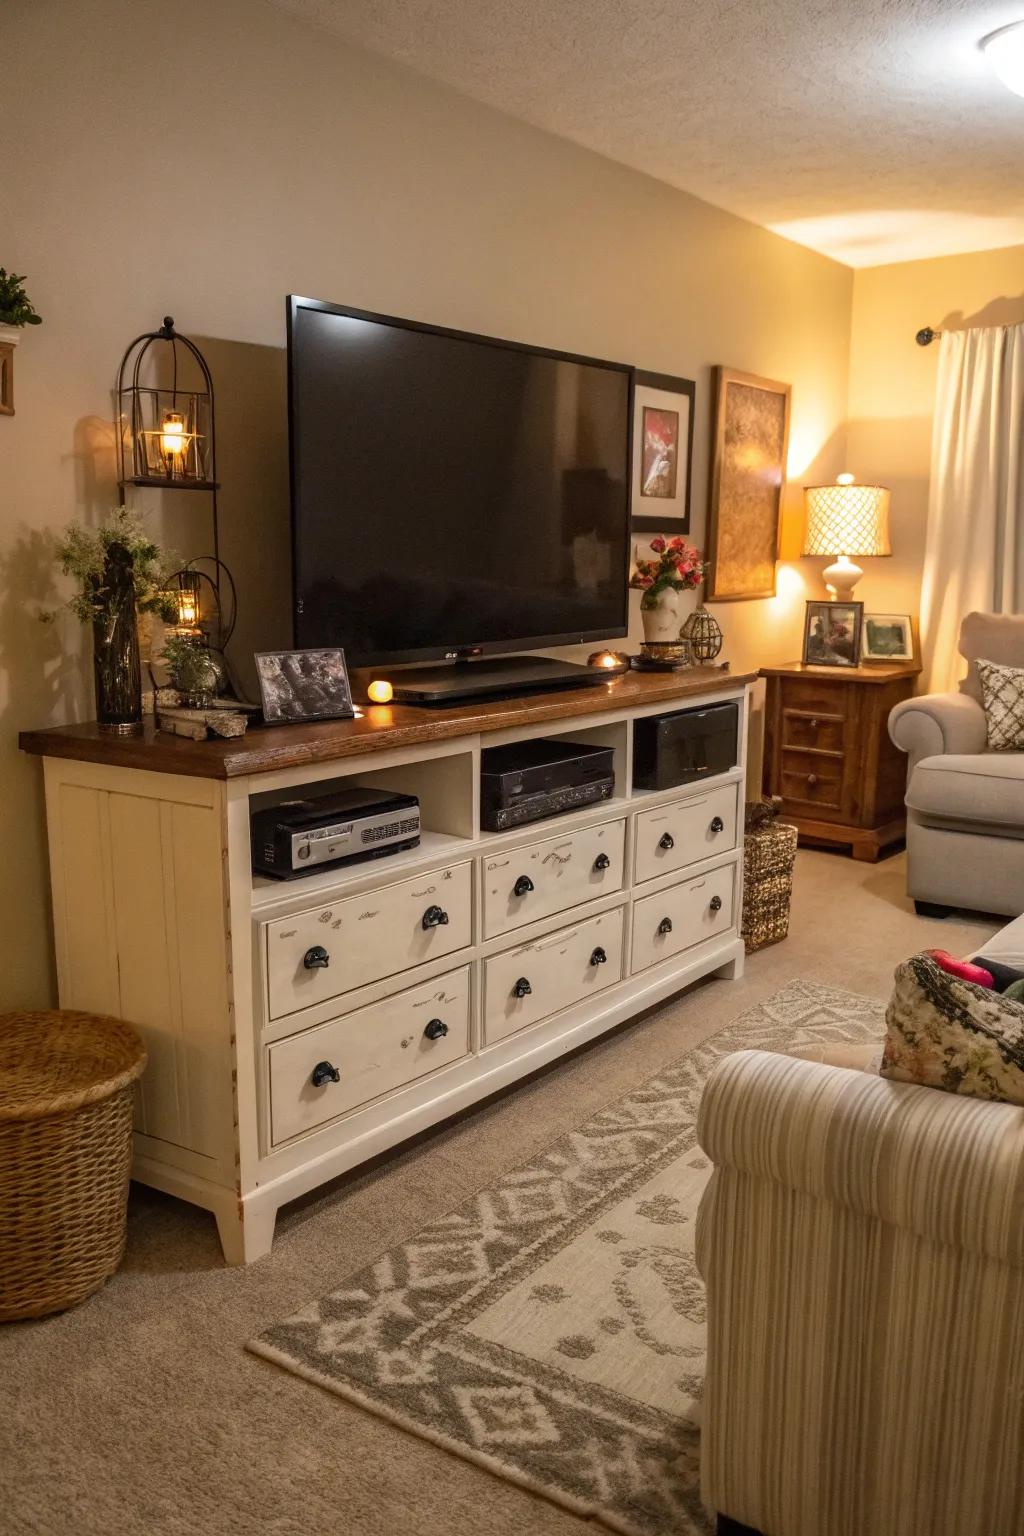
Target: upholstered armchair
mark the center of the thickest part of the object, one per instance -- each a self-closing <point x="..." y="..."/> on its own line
<point x="965" y="805"/>
<point x="862" y="1242"/>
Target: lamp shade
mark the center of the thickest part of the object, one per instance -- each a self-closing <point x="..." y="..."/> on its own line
<point x="847" y="519"/>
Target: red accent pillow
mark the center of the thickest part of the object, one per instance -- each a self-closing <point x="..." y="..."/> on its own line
<point x="962" y="968"/>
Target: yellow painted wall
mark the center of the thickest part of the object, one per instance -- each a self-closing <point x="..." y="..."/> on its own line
<point x="892" y="389"/>
<point x="206" y="158"/>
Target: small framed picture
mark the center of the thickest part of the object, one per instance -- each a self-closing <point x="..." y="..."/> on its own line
<point x="304" y="685"/>
<point x="832" y="634"/>
<point x="888" y="637"/>
<point x="662" y="450"/>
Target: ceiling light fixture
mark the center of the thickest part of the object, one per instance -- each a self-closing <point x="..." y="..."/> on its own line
<point x="1004" y="50"/>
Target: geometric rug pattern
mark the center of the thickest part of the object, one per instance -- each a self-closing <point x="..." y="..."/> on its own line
<point x="552" y="1328"/>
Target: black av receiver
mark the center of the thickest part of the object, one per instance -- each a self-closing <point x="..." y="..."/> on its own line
<point x="339" y="827"/>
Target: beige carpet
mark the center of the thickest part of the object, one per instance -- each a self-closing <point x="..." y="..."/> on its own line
<point x="141" y="1412"/>
<point x="552" y="1329"/>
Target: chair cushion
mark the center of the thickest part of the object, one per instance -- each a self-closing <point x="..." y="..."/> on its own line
<point x="1002" y="691"/>
<point x="947" y="1033"/>
<point x="1007" y="946"/>
<point x="996" y="636"/>
<point x="975" y="790"/>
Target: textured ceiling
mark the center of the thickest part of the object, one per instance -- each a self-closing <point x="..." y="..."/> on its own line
<point x="869" y="129"/>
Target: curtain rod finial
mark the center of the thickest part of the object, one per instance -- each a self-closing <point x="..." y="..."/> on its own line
<point x="925" y="336"/>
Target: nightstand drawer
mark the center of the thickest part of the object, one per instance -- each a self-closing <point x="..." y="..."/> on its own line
<point x="373" y="1051"/>
<point x="550" y="876"/>
<point x="813" y="779"/>
<point x="682" y="916"/>
<point x="803" y="728"/>
<point x="524" y="985"/>
<point x="685" y="831"/>
<point x="320" y="954"/>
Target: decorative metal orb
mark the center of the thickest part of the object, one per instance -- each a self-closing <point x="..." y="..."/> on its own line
<point x="704" y="634"/>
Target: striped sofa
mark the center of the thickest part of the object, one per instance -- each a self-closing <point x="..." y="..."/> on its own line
<point x="863" y="1247"/>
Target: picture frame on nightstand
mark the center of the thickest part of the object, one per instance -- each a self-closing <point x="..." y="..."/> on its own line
<point x="832" y="634"/>
<point x="887" y="637"/>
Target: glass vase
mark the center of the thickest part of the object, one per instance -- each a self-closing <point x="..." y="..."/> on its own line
<point x="115" y="641"/>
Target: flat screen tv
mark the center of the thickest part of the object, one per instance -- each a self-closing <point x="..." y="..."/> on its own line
<point x="452" y="495"/>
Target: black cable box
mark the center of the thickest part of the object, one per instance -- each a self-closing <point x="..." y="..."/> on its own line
<point x="533" y="779"/>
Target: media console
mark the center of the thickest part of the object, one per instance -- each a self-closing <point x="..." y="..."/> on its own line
<point x="270" y="1073"/>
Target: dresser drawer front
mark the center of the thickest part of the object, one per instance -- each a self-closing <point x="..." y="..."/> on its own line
<point x="677" y="835"/>
<point x="561" y="969"/>
<point x="366" y="938"/>
<point x="804" y="728"/>
<point x="373" y="1051"/>
<point x="811" y="780"/>
<point x="682" y="916"/>
<point x="550" y="876"/>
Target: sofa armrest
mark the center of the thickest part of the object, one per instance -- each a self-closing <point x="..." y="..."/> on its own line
<point x="938" y="723"/>
<point x="946" y="1167"/>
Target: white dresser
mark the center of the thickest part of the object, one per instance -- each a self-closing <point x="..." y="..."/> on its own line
<point x="296" y="1029"/>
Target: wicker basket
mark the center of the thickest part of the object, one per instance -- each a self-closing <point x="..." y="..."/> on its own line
<point x="769" y="853"/>
<point x="65" y="1155"/>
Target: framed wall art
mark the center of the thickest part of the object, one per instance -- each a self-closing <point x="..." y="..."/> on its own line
<point x="832" y="634"/>
<point x="750" y="437"/>
<point x="304" y="685"/>
<point x="662" y="453"/>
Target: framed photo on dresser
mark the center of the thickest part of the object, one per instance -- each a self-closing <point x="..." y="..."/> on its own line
<point x="662" y="452"/>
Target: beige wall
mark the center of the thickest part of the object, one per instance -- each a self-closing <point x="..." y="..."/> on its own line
<point x="892" y="389"/>
<point x="205" y="159"/>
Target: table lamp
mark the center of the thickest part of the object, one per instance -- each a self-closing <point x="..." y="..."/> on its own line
<point x="842" y="520"/>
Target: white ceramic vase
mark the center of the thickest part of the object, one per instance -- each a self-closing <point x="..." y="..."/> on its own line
<point x="661" y="620"/>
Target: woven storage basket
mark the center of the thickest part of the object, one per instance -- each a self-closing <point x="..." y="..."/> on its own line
<point x="65" y="1155"/>
<point x="769" y="853"/>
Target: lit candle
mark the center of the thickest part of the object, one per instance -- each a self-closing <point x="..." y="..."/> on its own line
<point x="380" y="692"/>
<point x="608" y="661"/>
<point x="172" y="435"/>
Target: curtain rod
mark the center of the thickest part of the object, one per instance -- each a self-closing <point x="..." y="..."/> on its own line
<point x="926" y="336"/>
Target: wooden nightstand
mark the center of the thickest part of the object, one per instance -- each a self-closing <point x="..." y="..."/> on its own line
<point x="828" y="754"/>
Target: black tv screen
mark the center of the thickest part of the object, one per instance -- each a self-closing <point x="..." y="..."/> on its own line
<point x="451" y="493"/>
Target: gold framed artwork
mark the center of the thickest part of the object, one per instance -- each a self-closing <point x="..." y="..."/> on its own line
<point x="750" y="437"/>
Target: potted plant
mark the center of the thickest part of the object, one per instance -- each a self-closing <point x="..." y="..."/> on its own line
<point x="675" y="567"/>
<point x="193" y="671"/>
<point x="15" y="307"/>
<point x="120" y="572"/>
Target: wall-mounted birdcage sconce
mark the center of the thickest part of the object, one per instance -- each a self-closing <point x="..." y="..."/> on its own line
<point x="165" y="434"/>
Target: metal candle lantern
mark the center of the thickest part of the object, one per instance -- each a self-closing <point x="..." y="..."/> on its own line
<point x="166" y="434"/>
<point x="704" y="634"/>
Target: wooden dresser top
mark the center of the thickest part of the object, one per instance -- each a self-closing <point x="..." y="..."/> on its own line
<point x="377" y="728"/>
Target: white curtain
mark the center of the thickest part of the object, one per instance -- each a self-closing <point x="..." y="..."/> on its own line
<point x="974" y="552"/>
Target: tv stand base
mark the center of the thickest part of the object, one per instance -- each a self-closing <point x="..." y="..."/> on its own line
<point x="455" y="683"/>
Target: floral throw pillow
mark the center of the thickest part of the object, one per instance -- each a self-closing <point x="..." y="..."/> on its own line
<point x="948" y="1033"/>
<point x="1002" y="691"/>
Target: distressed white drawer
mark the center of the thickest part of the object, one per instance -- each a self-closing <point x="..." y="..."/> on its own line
<point x="683" y="915"/>
<point x="366" y="938"/>
<point x="550" y="876"/>
<point x="372" y="1051"/>
<point x="686" y="831"/>
<point x="524" y="985"/>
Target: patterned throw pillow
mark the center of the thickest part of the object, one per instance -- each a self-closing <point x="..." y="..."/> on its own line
<point x="948" y="1033"/>
<point x="1002" y="690"/>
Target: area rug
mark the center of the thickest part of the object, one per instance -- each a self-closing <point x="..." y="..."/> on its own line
<point x="552" y="1329"/>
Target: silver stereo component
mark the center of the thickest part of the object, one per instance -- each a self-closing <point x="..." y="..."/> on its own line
<point x="301" y="836"/>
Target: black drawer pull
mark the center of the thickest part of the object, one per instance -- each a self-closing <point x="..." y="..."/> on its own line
<point x="435" y="917"/>
<point x="666" y="841"/>
<point x="323" y="1073"/>
<point x="718" y="825"/>
<point x="665" y="926"/>
<point x="598" y="957"/>
<point x="522" y="886"/>
<point x="602" y="861"/>
<point x="522" y="988"/>
<point x="716" y="903"/>
<point x="436" y="1029"/>
<point x="316" y="959"/>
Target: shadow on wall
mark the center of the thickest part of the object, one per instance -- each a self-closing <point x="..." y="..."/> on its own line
<point x="1002" y="311"/>
<point x="40" y="669"/>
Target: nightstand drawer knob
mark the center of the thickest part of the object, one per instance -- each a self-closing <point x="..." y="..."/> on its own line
<point x="666" y="841"/>
<point x="812" y="778"/>
<point x="324" y="1072"/>
<point x="522" y="988"/>
<point x="716" y="903"/>
<point x="665" y="926"/>
<point x="523" y="885"/>
<point x="436" y="1029"/>
<point x="718" y="825"/>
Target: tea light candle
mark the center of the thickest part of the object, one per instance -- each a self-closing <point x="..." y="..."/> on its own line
<point x="609" y="661"/>
<point x="380" y="692"/>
